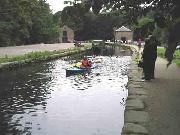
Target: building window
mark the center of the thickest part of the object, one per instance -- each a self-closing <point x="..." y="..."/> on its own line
<point x="65" y="33"/>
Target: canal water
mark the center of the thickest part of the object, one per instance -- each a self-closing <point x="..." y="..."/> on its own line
<point x="41" y="100"/>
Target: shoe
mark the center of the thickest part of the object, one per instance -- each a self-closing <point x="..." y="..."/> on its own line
<point x="146" y="80"/>
<point x="143" y="78"/>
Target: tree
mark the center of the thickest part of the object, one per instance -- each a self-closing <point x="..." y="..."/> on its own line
<point x="96" y="27"/>
<point x="88" y="25"/>
<point x="57" y="18"/>
<point x="72" y="16"/>
<point x="14" y="22"/>
<point x="43" y="28"/>
<point x="143" y="27"/>
<point x="26" y="22"/>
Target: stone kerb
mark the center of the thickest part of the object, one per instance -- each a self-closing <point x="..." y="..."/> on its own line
<point x="135" y="118"/>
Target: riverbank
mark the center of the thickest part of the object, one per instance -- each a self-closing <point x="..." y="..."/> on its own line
<point x="136" y="118"/>
<point x="10" y="61"/>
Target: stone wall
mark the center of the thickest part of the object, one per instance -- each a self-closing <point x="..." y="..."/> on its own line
<point x="136" y="118"/>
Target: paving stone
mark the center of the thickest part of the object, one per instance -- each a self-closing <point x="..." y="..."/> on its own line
<point x="135" y="73"/>
<point x="140" y="97"/>
<point x="131" y="134"/>
<point x="134" y="104"/>
<point x="140" y="117"/>
<point x="134" y="78"/>
<point x="136" y="91"/>
<point x="137" y="80"/>
<point x="135" y="85"/>
<point x="133" y="129"/>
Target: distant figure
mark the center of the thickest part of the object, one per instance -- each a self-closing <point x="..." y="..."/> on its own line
<point x="139" y="44"/>
<point x="154" y="43"/>
<point x="77" y="44"/>
<point x="149" y="56"/>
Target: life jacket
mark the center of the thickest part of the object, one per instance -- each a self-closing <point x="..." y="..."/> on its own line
<point x="86" y="63"/>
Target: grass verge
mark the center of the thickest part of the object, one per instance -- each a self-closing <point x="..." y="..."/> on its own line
<point x="176" y="60"/>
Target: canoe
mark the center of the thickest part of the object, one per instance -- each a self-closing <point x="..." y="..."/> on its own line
<point x="76" y="70"/>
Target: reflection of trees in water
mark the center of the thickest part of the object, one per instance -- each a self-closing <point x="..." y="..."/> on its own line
<point x="78" y="56"/>
<point x="108" y="50"/>
<point x="21" y="92"/>
<point x="111" y="50"/>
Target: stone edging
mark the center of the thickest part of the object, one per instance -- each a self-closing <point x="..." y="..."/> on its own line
<point x="136" y="118"/>
<point x="17" y="64"/>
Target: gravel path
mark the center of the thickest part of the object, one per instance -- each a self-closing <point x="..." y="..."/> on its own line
<point x="163" y="102"/>
<point x="19" y="50"/>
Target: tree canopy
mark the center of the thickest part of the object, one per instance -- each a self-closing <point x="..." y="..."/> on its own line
<point x="166" y="15"/>
<point x="89" y="25"/>
<point x="26" y="22"/>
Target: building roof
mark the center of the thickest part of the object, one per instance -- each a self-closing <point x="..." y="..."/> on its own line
<point x="122" y="29"/>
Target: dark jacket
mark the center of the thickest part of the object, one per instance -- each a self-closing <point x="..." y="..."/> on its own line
<point x="150" y="49"/>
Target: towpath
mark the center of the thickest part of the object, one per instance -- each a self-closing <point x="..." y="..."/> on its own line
<point x="163" y="102"/>
<point x="163" y="98"/>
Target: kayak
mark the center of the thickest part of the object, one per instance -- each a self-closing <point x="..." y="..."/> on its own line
<point x="77" y="70"/>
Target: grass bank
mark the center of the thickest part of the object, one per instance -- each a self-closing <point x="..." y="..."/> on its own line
<point x="39" y="55"/>
<point x="176" y="60"/>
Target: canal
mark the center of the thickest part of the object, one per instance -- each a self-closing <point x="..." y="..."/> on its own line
<point x="40" y="100"/>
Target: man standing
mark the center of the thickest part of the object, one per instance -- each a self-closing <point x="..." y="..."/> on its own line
<point x="154" y="43"/>
<point x="149" y="57"/>
<point x="139" y="45"/>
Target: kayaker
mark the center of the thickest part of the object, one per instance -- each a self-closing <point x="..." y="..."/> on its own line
<point x="85" y="63"/>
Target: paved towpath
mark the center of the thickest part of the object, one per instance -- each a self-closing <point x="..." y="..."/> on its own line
<point x="164" y="100"/>
<point x="20" y="50"/>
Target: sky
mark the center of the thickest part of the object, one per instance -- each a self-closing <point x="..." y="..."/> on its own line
<point x="56" y="5"/>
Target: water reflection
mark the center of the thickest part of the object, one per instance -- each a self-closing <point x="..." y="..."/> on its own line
<point x="22" y="92"/>
<point x="40" y="100"/>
